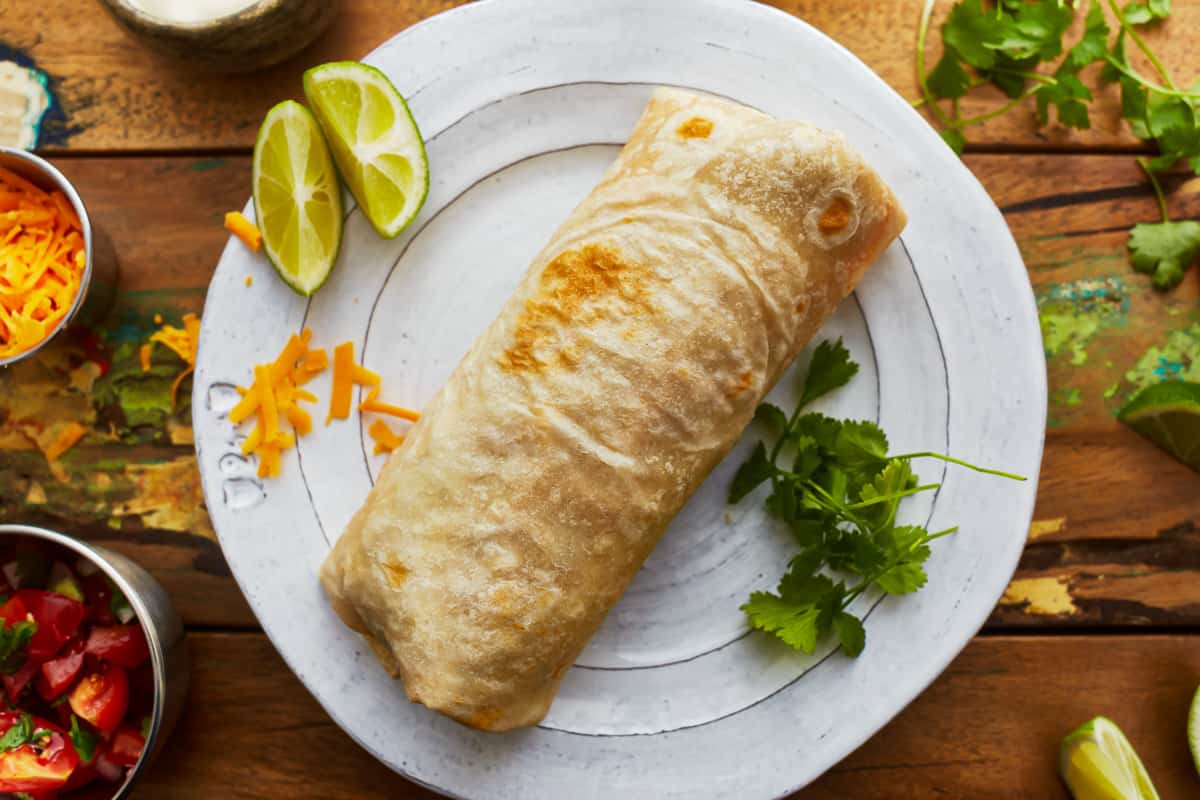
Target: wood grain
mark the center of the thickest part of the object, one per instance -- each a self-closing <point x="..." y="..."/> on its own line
<point x="1116" y="537"/>
<point x="118" y="95"/>
<point x="989" y="727"/>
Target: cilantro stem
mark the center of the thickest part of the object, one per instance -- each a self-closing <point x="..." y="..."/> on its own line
<point x="1158" y="192"/>
<point x="1151" y="85"/>
<point x="1141" y="43"/>
<point x="940" y="534"/>
<point x="922" y="33"/>
<point x="887" y="498"/>
<point x="968" y="465"/>
<point x="1004" y="109"/>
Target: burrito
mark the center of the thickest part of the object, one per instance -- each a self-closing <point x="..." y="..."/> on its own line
<point x="621" y="371"/>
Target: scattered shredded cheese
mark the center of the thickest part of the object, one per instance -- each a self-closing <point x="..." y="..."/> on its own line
<point x="243" y="229"/>
<point x="71" y="433"/>
<point x="42" y="262"/>
<point x="249" y="280"/>
<point x="273" y="397"/>
<point x="182" y="341"/>
<point x="386" y="440"/>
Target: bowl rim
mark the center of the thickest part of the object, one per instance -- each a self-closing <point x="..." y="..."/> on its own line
<point x="144" y="18"/>
<point x="141" y="612"/>
<point x="53" y="175"/>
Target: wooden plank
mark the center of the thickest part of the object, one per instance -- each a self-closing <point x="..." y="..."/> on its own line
<point x="989" y="727"/>
<point x="117" y="95"/>
<point x="1115" y="540"/>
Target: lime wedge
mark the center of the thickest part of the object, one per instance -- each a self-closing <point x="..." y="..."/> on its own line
<point x="1194" y="729"/>
<point x="1168" y="414"/>
<point x="1098" y="763"/>
<point x="374" y="139"/>
<point x="297" y="201"/>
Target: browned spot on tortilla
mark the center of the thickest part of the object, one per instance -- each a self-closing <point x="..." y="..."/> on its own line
<point x="484" y="718"/>
<point x="695" y="128"/>
<point x="836" y="216"/>
<point x="558" y="671"/>
<point x="745" y="381"/>
<point x="396" y="573"/>
<point x="576" y="289"/>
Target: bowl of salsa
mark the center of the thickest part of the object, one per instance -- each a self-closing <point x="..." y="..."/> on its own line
<point x="93" y="668"/>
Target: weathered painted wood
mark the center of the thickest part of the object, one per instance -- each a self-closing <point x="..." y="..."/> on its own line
<point x="989" y="727"/>
<point x="117" y="95"/>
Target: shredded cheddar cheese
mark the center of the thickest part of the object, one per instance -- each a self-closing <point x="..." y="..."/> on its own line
<point x="181" y="341"/>
<point x="71" y="433"/>
<point x="42" y="261"/>
<point x="243" y="229"/>
<point x="273" y="397"/>
<point x="386" y="440"/>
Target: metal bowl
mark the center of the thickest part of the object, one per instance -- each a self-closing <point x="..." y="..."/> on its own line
<point x="99" y="279"/>
<point x="163" y="629"/>
<point x="262" y="34"/>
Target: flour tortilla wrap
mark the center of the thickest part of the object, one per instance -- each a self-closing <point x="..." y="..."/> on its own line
<point x="623" y="368"/>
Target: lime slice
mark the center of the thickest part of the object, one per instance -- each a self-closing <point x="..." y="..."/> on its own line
<point x="1168" y="414"/>
<point x="297" y="201"/>
<point x="374" y="139"/>
<point x="1194" y="729"/>
<point x="1098" y="763"/>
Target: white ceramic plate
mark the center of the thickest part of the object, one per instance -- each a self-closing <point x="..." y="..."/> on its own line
<point x="523" y="104"/>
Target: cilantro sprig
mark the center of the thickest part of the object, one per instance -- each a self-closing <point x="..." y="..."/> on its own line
<point x="837" y="488"/>
<point x="1018" y="46"/>
<point x="14" y="644"/>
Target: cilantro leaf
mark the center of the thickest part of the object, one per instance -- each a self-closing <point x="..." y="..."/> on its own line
<point x="84" y="740"/>
<point x="1093" y="45"/>
<point x="1161" y="9"/>
<point x="1137" y="13"/>
<point x="14" y="641"/>
<point x="771" y="416"/>
<point x="1007" y="74"/>
<point x="795" y="625"/>
<point x="896" y="476"/>
<point x="1164" y="250"/>
<point x="830" y="368"/>
<point x="1109" y="73"/>
<point x="974" y="33"/>
<point x="948" y="78"/>
<point x="1036" y="29"/>
<point x="903" y="578"/>
<point x="955" y="139"/>
<point x="20" y="733"/>
<point x="1066" y="95"/>
<point x="850" y="633"/>
<point x="862" y="448"/>
<point x="1172" y="123"/>
<point x="750" y="474"/>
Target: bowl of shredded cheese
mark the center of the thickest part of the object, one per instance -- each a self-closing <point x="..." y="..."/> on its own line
<point x="45" y="254"/>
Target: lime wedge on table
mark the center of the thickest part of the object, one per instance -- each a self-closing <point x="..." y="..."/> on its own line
<point x="1194" y="729"/>
<point x="374" y="139"/>
<point x="1099" y="763"/>
<point x="1168" y="414"/>
<point x="297" y="201"/>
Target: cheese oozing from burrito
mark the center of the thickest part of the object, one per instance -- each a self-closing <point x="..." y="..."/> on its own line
<point x="621" y="371"/>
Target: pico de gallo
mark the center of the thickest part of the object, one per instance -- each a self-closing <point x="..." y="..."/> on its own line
<point x="75" y="669"/>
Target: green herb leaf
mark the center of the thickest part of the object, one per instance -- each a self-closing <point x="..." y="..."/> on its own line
<point x="948" y="78"/>
<point x="795" y="625"/>
<point x="84" y="740"/>
<point x="902" y="579"/>
<point x="750" y="474"/>
<point x="1164" y="250"/>
<point x="1093" y="45"/>
<point x="14" y="641"/>
<point x="850" y="633"/>
<point x="20" y="733"/>
<point x="145" y="727"/>
<point x="1137" y="14"/>
<point x="973" y="33"/>
<point x="862" y="448"/>
<point x="1066" y="95"/>
<point x="1161" y="9"/>
<point x="1036" y="29"/>
<point x="896" y="477"/>
<point x="955" y="139"/>
<point x="829" y="369"/>
<point x="1109" y="73"/>
<point x="772" y="417"/>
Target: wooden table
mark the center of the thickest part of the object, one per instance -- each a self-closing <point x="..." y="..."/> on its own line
<point x="1102" y="617"/>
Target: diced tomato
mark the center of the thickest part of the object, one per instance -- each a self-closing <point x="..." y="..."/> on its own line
<point x="31" y="768"/>
<point x="14" y="684"/>
<point x="124" y="645"/>
<point x="82" y="775"/>
<point x="57" y="618"/>
<point x="99" y="599"/>
<point x="57" y="674"/>
<point x="126" y="746"/>
<point x="13" y="611"/>
<point x="102" y="697"/>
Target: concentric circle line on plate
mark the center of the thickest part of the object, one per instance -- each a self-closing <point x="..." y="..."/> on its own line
<point x="866" y="615"/>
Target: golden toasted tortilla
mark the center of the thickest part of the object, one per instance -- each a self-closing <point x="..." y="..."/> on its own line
<point x="620" y="372"/>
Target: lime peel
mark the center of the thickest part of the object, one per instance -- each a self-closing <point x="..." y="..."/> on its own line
<point x="375" y="141"/>
<point x="1168" y="414"/>
<point x="1097" y="762"/>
